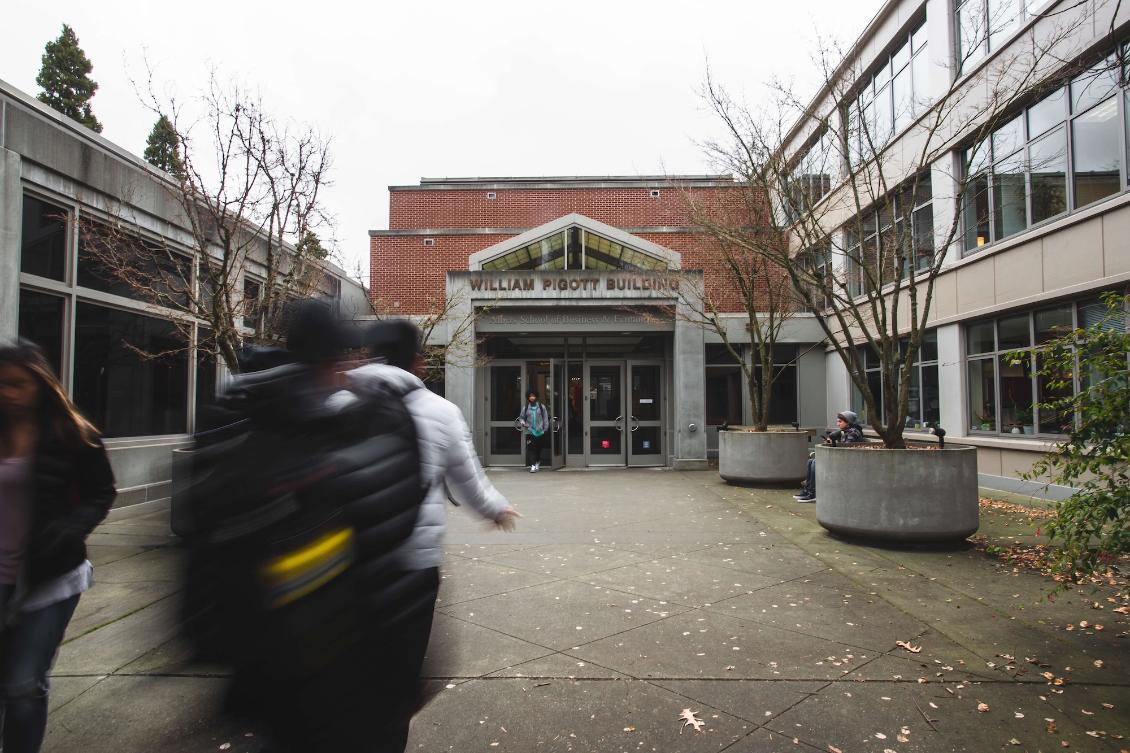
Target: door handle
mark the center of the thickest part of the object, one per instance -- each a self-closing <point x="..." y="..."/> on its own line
<point x="518" y="424"/>
<point x="556" y="424"/>
<point x="635" y="423"/>
<point x="619" y="423"/>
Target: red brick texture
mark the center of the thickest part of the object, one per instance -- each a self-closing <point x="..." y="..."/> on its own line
<point x="408" y="277"/>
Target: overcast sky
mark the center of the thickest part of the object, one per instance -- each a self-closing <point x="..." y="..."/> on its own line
<point x="444" y="88"/>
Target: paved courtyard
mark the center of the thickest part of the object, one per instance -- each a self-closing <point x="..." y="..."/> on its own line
<point x="626" y="597"/>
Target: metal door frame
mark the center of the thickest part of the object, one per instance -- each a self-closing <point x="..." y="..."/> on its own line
<point x="491" y="458"/>
<point x="634" y="423"/>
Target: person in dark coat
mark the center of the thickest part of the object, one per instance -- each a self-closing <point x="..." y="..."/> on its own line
<point x="56" y="485"/>
<point x="848" y="431"/>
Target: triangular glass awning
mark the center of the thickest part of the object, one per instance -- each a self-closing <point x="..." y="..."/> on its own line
<point x="566" y="244"/>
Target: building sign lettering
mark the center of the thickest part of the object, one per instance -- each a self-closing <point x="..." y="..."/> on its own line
<point x="501" y="284"/>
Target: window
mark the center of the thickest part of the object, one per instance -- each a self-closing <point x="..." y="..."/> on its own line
<point x="984" y="25"/>
<point x="114" y="261"/>
<point x="923" y="408"/>
<point x="890" y="97"/>
<point x="574" y="248"/>
<point x="1003" y="356"/>
<point x="252" y="293"/>
<point x="723" y="387"/>
<point x="879" y="248"/>
<point x="130" y="372"/>
<point x="41" y="321"/>
<point x="43" y="238"/>
<point x="817" y="267"/>
<point x="1022" y="176"/>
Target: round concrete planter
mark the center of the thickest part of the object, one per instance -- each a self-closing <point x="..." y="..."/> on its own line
<point x="760" y="457"/>
<point x="898" y="495"/>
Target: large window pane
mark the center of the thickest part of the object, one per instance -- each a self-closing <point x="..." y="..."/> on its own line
<point x="979" y="338"/>
<point x="982" y="395"/>
<point x="1095" y="136"/>
<point x="971" y="33"/>
<point x="206" y="379"/>
<point x="1048" y="163"/>
<point x="1004" y="17"/>
<point x="1013" y="332"/>
<point x="1016" y="394"/>
<point x="920" y="77"/>
<point x="112" y="261"/>
<point x="1053" y="323"/>
<point x="976" y="214"/>
<point x="506" y="399"/>
<point x="41" y="321"/>
<point x="43" y="239"/>
<point x="1054" y="421"/>
<point x="1047" y="113"/>
<point x="723" y="395"/>
<point x="1094" y="86"/>
<point x="130" y="372"/>
<point x="903" y="95"/>
<point x="1010" y="214"/>
<point x="931" y="396"/>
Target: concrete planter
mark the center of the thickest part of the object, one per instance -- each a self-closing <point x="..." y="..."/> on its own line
<point x="898" y="495"/>
<point x="759" y="457"/>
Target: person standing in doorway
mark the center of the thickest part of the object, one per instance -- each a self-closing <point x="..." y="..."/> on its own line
<point x="534" y="418"/>
<point x="56" y="485"/>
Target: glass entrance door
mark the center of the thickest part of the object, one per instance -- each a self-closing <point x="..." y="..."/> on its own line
<point x="645" y="413"/>
<point x="506" y="394"/>
<point x="604" y="413"/>
<point x="547" y="378"/>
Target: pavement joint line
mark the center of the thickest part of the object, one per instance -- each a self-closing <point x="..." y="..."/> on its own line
<point x="119" y="618"/>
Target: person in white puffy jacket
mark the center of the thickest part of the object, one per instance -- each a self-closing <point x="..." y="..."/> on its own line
<point x="450" y="467"/>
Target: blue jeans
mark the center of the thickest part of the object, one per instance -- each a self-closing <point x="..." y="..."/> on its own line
<point x="810" y="478"/>
<point x="27" y="651"/>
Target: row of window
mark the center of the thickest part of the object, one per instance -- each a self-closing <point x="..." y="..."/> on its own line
<point x="1064" y="152"/>
<point x="924" y="403"/>
<point x="129" y="371"/>
<point x="983" y="26"/>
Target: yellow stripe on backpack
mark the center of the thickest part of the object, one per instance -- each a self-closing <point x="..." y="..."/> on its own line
<point x="288" y="577"/>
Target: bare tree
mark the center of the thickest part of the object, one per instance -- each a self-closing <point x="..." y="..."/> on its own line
<point x="248" y="200"/>
<point x="861" y="248"/>
<point x="744" y="280"/>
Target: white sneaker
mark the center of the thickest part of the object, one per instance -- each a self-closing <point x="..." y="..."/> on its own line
<point x="533" y="469"/>
<point x="537" y="466"/>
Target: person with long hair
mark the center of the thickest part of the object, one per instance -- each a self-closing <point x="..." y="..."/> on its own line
<point x="56" y="485"/>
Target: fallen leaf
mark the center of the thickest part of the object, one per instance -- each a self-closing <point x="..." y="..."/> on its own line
<point x="907" y="645"/>
<point x="630" y="728"/>
<point x="1014" y="741"/>
<point x="982" y="707"/>
<point x="690" y="720"/>
<point x="880" y="735"/>
<point x="1050" y="727"/>
<point x="1099" y="663"/>
<point x="225" y="746"/>
<point x="1108" y="705"/>
<point x="1018" y="715"/>
<point x="834" y="749"/>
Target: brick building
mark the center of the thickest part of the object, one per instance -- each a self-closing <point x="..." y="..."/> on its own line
<point x="568" y="286"/>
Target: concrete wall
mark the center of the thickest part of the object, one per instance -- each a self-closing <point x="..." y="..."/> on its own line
<point x="11" y="213"/>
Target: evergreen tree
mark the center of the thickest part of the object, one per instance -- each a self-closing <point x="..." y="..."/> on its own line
<point x="310" y="246"/>
<point x="65" y="79"/>
<point x="162" y="149"/>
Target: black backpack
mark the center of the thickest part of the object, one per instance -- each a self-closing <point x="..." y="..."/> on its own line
<point x="297" y="511"/>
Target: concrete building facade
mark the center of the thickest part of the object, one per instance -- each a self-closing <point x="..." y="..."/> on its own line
<point x="54" y="174"/>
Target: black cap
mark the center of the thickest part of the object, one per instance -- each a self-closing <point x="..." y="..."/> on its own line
<point x="397" y="341"/>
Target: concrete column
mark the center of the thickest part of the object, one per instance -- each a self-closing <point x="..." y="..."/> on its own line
<point x="459" y="374"/>
<point x="951" y="380"/>
<point x="839" y="388"/>
<point x="11" y="221"/>
<point x="690" y="393"/>
<point x="812" y="378"/>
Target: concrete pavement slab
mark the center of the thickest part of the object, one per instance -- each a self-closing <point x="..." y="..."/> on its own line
<point x="681" y="581"/>
<point x="106" y="603"/>
<point x="473" y="579"/>
<point x="780" y="561"/>
<point x="755" y="701"/>
<point x="702" y="644"/>
<point x="459" y="648"/>
<point x="120" y="642"/>
<point x="829" y="606"/>
<point x="560" y="716"/>
<point x="562" y="614"/>
<point x="567" y="560"/>
<point x="559" y="666"/>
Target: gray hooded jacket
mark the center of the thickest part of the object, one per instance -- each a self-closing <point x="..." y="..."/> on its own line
<point x="446" y="453"/>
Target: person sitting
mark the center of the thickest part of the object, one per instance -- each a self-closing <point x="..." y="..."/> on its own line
<point x="849" y="432"/>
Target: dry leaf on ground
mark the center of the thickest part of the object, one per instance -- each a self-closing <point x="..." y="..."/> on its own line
<point x="690" y="720"/>
<point x="907" y="645"/>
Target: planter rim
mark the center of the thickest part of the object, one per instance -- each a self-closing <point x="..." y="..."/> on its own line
<point x="747" y="430"/>
<point x="877" y="447"/>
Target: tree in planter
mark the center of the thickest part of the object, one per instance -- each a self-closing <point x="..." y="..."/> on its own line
<point x="65" y="77"/>
<point x="863" y="249"/>
<point x="248" y="191"/>
<point x="757" y="285"/>
<point x="1095" y="457"/>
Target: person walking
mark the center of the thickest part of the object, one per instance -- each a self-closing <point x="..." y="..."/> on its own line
<point x="534" y="418"/>
<point x="56" y="485"/>
<point x="849" y="432"/>
<point x="449" y="467"/>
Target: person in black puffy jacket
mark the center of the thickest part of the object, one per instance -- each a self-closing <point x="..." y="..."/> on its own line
<point x="56" y="485"/>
